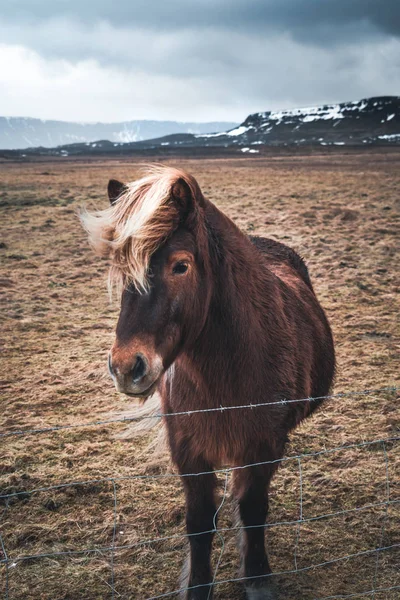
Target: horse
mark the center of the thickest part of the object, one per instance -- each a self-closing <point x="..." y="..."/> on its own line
<point x="212" y="318"/>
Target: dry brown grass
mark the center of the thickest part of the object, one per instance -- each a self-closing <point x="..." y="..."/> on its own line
<point x="340" y="212"/>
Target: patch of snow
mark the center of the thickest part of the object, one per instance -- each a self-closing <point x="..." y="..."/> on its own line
<point x="126" y="136"/>
<point x="164" y="143"/>
<point x="314" y="113"/>
<point x="333" y="112"/>
<point x="210" y="135"/>
<point x="361" y="107"/>
<point x="390" y="117"/>
<point x="392" y="137"/>
<point x="249" y="150"/>
<point x="254" y="143"/>
<point x="238" y="130"/>
<point x="339" y="143"/>
<point x="309" y="114"/>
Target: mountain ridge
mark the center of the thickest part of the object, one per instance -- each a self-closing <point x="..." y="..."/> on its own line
<point x="28" y="132"/>
<point x="370" y="121"/>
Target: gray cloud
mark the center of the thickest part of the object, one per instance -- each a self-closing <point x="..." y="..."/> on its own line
<point x="248" y="15"/>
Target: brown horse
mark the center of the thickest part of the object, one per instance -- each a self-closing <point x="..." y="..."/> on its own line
<point x="210" y="318"/>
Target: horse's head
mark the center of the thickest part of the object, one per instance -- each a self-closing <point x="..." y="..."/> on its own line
<point x="154" y="232"/>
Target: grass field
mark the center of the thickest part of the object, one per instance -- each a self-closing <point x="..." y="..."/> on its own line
<point x="341" y="213"/>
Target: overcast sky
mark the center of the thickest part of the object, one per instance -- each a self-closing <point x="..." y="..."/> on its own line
<point x="198" y="60"/>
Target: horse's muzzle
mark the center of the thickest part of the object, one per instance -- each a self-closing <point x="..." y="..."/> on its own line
<point x="139" y="378"/>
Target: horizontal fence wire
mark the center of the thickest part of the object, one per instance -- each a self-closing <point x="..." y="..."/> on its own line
<point x="282" y="402"/>
<point x="358" y="594"/>
<point x="9" y="561"/>
<point x="200" y="473"/>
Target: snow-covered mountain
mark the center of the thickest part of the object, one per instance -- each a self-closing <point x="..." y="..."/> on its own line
<point x="365" y="121"/>
<point x="20" y="132"/>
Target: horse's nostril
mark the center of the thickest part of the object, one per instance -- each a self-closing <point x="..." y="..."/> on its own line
<point x="139" y="369"/>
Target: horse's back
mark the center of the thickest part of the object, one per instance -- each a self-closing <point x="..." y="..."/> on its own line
<point x="291" y="269"/>
<point x="278" y="252"/>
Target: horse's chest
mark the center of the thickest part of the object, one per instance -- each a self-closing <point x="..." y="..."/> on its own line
<point x="216" y="437"/>
<point x="221" y="438"/>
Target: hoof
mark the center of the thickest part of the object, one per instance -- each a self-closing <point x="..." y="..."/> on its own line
<point x="265" y="592"/>
<point x="201" y="592"/>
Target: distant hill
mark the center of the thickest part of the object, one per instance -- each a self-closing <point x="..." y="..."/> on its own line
<point x="372" y="121"/>
<point x="21" y="132"/>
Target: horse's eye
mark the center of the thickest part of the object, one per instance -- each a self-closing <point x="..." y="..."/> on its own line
<point x="180" y="268"/>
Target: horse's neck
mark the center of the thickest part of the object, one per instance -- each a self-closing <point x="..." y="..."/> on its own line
<point x="242" y="277"/>
<point x="235" y="326"/>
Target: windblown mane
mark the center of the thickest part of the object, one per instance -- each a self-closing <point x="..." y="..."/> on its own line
<point x="137" y="224"/>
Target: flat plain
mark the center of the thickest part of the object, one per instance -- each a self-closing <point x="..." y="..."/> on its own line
<point x="340" y="211"/>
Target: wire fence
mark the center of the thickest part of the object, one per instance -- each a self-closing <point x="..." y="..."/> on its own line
<point x="386" y="445"/>
<point x="281" y="402"/>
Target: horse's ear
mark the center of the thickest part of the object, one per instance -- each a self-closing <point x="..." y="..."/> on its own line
<point x="181" y="193"/>
<point x="187" y="193"/>
<point x="115" y="189"/>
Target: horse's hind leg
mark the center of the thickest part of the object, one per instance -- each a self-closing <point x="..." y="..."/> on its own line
<point x="250" y="487"/>
<point x="200" y="512"/>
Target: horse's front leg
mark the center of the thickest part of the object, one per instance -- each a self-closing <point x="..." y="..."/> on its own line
<point x="200" y="513"/>
<point x="250" y="488"/>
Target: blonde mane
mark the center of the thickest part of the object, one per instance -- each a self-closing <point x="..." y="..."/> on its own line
<point x="136" y="225"/>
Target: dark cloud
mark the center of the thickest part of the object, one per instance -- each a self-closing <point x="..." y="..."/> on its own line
<point x="139" y="32"/>
<point x="295" y="16"/>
